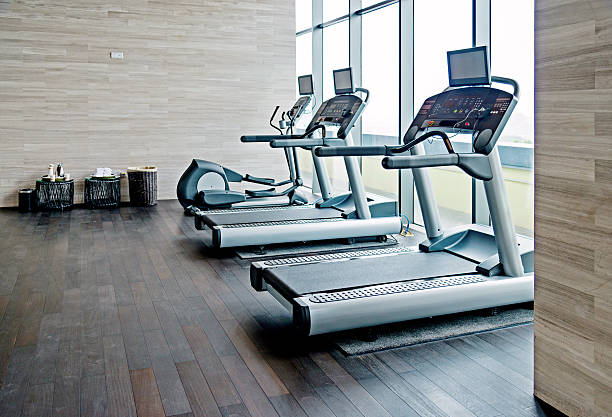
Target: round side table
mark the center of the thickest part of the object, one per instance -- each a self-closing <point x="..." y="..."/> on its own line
<point x="102" y="192"/>
<point x="54" y="195"/>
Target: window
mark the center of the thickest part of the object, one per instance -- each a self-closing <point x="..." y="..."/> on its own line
<point x="380" y="72"/>
<point x="380" y="75"/>
<point x="333" y="9"/>
<point x="512" y="55"/>
<point x="368" y="3"/>
<point x="335" y="54"/>
<point x="303" y="57"/>
<point x="303" y="14"/>
<point x="452" y="187"/>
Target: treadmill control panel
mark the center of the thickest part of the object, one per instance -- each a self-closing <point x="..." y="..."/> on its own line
<point x="340" y="111"/>
<point x="469" y="109"/>
<point x="299" y="107"/>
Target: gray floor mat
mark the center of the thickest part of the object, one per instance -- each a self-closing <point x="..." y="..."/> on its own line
<point x="409" y="333"/>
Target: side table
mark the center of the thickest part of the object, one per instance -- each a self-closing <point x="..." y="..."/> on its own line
<point x="54" y="195"/>
<point x="102" y="192"/>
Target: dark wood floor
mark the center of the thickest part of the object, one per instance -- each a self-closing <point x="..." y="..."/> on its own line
<point x="124" y="313"/>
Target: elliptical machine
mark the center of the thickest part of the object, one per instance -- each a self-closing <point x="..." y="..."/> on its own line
<point x="205" y="185"/>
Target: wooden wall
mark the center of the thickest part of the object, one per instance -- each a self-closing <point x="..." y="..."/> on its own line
<point x="573" y="206"/>
<point x="196" y="75"/>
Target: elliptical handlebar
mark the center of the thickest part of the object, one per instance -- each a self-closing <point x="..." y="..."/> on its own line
<point x="272" y="119"/>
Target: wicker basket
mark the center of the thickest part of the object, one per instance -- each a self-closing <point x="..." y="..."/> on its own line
<point x="143" y="185"/>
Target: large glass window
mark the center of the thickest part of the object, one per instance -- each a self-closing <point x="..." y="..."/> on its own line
<point x="303" y="14"/>
<point x="512" y="52"/>
<point x="303" y="57"/>
<point x="334" y="8"/>
<point x="452" y="187"/>
<point x="335" y="56"/>
<point x="512" y="44"/>
<point x="368" y="3"/>
<point x="380" y="75"/>
<point x="380" y="72"/>
<point x="512" y="56"/>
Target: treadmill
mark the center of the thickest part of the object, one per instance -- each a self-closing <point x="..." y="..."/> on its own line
<point x="463" y="269"/>
<point x="353" y="215"/>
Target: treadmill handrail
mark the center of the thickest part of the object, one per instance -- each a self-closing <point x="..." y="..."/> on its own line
<point x="475" y="165"/>
<point x="296" y="143"/>
<point x="270" y="138"/>
<point x="266" y="138"/>
<point x="508" y="81"/>
<point x="351" y="151"/>
<point x="381" y="150"/>
<point x="309" y="142"/>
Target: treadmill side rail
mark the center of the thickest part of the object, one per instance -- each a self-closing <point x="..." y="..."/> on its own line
<point x="325" y="317"/>
<point x="296" y="231"/>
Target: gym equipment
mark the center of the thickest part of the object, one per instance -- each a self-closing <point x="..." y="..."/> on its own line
<point x="205" y="185"/>
<point x="351" y="215"/>
<point x="466" y="268"/>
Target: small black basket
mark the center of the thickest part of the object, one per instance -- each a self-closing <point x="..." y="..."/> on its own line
<point x="26" y="200"/>
<point x="102" y="192"/>
<point x="54" y="195"/>
<point x="143" y="186"/>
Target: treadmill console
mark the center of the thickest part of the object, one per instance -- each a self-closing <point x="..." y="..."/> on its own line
<point x="340" y="111"/>
<point x="470" y="109"/>
<point x="299" y="107"/>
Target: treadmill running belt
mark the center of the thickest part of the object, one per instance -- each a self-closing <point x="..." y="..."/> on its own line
<point x="221" y="219"/>
<point x="297" y="280"/>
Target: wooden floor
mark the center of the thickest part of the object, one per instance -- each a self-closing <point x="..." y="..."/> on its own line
<point x="124" y="313"/>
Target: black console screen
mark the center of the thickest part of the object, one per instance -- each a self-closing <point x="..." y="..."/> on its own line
<point x="340" y="110"/>
<point x="464" y="108"/>
<point x="476" y="110"/>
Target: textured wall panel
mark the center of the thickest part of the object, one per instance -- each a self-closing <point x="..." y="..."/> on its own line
<point x="196" y="75"/>
<point x="573" y="206"/>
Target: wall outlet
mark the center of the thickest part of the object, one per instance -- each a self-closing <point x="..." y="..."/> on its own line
<point x="116" y="55"/>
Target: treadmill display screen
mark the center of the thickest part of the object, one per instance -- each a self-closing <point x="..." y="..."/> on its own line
<point x="343" y="81"/>
<point x="305" y="85"/>
<point x="468" y="67"/>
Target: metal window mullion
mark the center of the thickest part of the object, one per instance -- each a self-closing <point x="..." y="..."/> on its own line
<point x="481" y="36"/>
<point x="355" y="61"/>
<point x="406" y="99"/>
<point x="317" y="66"/>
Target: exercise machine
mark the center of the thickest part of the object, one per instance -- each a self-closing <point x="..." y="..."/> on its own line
<point x="205" y="185"/>
<point x="466" y="268"/>
<point x="351" y="215"/>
